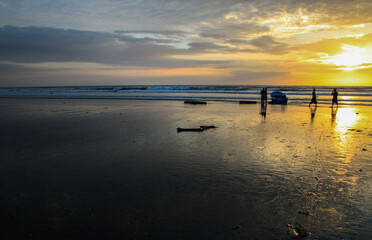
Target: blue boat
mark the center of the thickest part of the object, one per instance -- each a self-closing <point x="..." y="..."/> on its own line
<point x="278" y="98"/>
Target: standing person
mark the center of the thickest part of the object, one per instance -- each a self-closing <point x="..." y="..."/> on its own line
<point x="334" y="99"/>
<point x="263" y="94"/>
<point x="313" y="99"/>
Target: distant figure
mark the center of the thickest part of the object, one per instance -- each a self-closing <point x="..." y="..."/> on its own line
<point x="313" y="99"/>
<point x="334" y="99"/>
<point x="263" y="94"/>
<point x="266" y="93"/>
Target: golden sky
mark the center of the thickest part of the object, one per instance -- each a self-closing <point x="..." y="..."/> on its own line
<point x="290" y="42"/>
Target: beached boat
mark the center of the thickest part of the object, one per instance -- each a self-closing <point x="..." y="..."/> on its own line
<point x="278" y="98"/>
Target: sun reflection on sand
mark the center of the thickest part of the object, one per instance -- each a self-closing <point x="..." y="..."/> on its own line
<point x="345" y="122"/>
<point x="345" y="119"/>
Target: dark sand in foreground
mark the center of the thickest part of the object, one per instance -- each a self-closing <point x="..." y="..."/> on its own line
<point x="118" y="169"/>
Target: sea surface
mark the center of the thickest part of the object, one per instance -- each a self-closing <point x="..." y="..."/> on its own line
<point x="295" y="94"/>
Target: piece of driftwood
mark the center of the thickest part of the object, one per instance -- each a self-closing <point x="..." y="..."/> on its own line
<point x="190" y="129"/>
<point x="247" y="102"/>
<point x="200" y="129"/>
<point x="194" y="102"/>
<point x="207" y="127"/>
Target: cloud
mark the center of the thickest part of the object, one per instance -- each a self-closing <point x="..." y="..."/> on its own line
<point x="167" y="33"/>
<point x="268" y="44"/>
<point x="338" y="12"/>
<point x="200" y="47"/>
<point x="36" y="44"/>
<point x="231" y="30"/>
<point x="6" y="68"/>
<point x="218" y="34"/>
<point x="333" y="45"/>
<point x="110" y="15"/>
<point x="180" y="15"/>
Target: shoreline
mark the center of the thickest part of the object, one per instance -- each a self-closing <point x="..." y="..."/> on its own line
<point x="237" y="100"/>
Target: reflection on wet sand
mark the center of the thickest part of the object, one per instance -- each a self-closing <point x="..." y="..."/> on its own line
<point x="333" y="114"/>
<point x="325" y="161"/>
<point x="312" y="112"/>
<point x="130" y="175"/>
<point x="345" y="125"/>
<point x="263" y="109"/>
<point x="346" y="119"/>
<point x="342" y="180"/>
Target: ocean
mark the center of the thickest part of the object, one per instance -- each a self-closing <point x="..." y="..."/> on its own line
<point x="295" y="94"/>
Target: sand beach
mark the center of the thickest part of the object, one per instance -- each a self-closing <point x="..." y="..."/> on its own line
<point x="118" y="169"/>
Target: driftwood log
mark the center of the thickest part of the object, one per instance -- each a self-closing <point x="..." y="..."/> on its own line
<point x="195" y="102"/>
<point x="247" y="102"/>
<point x="200" y="129"/>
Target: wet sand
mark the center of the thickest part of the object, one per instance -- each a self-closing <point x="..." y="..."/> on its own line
<point x="118" y="169"/>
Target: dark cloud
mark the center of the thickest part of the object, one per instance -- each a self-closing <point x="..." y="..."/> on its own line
<point x="33" y="44"/>
<point x="227" y="30"/>
<point x="164" y="32"/>
<point x="6" y="68"/>
<point x="36" y="45"/>
<point x="263" y="44"/>
<point x="199" y="47"/>
<point x="212" y="35"/>
<point x="268" y="44"/>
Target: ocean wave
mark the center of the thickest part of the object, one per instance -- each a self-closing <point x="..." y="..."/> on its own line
<point x="294" y="93"/>
<point x="185" y="90"/>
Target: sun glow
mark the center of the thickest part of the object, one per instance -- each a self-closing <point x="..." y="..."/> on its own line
<point x="351" y="59"/>
<point x="347" y="125"/>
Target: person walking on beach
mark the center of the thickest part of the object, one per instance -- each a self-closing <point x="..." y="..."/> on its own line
<point x="266" y="93"/>
<point x="263" y="94"/>
<point x="313" y="99"/>
<point x="334" y="99"/>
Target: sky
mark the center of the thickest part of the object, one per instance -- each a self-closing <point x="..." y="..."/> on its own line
<point x="209" y="42"/>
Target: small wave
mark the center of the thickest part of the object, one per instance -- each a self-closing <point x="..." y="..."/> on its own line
<point x="210" y="92"/>
<point x="62" y="91"/>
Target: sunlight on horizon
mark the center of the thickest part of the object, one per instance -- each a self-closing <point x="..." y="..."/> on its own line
<point x="352" y="58"/>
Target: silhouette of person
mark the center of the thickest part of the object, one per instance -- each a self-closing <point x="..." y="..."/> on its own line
<point x="334" y="99"/>
<point x="313" y="99"/>
<point x="266" y="93"/>
<point x="263" y="94"/>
